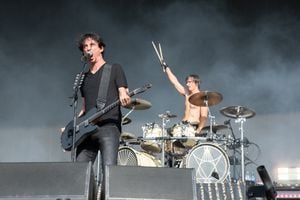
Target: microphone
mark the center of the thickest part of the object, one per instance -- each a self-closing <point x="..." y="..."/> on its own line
<point x="86" y="56"/>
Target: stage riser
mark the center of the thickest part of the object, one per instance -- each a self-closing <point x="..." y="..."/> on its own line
<point x="125" y="182"/>
<point x="47" y="181"/>
<point x="75" y="181"/>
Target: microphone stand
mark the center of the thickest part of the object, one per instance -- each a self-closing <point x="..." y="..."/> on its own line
<point x="77" y="85"/>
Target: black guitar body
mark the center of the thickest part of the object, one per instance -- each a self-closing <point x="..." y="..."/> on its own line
<point x="81" y="134"/>
<point x="85" y="126"/>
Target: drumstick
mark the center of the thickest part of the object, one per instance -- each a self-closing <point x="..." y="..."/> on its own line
<point x="160" y="60"/>
<point x="161" y="55"/>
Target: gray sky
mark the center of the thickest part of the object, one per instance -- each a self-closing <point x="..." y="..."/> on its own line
<point x="248" y="52"/>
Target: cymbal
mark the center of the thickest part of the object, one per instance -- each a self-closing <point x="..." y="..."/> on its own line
<point x="237" y="112"/>
<point x="127" y="136"/>
<point x="215" y="128"/>
<point x="126" y="120"/>
<point x="138" y="104"/>
<point x="205" y="98"/>
<point x="167" y="115"/>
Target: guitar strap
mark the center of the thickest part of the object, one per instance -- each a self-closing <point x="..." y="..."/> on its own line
<point x="103" y="86"/>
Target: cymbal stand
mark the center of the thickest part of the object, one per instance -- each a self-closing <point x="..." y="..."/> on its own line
<point x="211" y="120"/>
<point x="165" y="119"/>
<point x="241" y="120"/>
<point x="127" y="114"/>
<point x="234" y="150"/>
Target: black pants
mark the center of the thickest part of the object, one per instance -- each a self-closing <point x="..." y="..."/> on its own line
<point x="105" y="139"/>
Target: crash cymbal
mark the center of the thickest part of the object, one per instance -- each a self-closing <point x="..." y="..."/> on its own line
<point x="167" y="115"/>
<point x="138" y="104"/>
<point x="205" y="98"/>
<point x="215" y="128"/>
<point x="127" y="136"/>
<point x="237" y="112"/>
<point x="126" y="120"/>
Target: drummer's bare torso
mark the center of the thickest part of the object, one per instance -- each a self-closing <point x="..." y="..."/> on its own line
<point x="192" y="112"/>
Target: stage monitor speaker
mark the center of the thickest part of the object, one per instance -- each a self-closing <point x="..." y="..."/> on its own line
<point x="140" y="183"/>
<point x="47" y="181"/>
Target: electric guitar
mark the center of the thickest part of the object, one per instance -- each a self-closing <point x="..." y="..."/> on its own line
<point x="85" y="125"/>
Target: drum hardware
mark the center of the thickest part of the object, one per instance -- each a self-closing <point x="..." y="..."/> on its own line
<point x="138" y="104"/>
<point x="165" y="117"/>
<point x="126" y="120"/>
<point x="135" y="104"/>
<point x="236" y="112"/>
<point x="215" y="128"/>
<point x="127" y="136"/>
<point x="185" y="132"/>
<point x="151" y="133"/>
<point x="127" y="139"/>
<point x="233" y="160"/>
<point x="240" y="114"/>
<point x="205" y="98"/>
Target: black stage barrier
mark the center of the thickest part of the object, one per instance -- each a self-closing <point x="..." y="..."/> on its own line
<point x="139" y="183"/>
<point x="47" y="181"/>
<point x="221" y="191"/>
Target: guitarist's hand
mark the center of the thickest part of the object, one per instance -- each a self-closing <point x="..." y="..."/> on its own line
<point x="123" y="96"/>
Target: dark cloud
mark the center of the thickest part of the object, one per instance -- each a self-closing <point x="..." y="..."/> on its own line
<point x="246" y="50"/>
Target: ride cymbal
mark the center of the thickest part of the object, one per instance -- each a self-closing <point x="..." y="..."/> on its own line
<point x="205" y="98"/>
<point x="237" y="112"/>
<point x="138" y="104"/>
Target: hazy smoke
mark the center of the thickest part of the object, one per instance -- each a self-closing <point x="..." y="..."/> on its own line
<point x="250" y="58"/>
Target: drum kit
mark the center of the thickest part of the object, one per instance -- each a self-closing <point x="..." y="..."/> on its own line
<point x="178" y="146"/>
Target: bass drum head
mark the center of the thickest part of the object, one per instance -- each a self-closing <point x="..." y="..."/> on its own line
<point x="129" y="157"/>
<point x="210" y="162"/>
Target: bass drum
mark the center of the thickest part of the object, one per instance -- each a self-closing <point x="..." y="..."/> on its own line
<point x="210" y="162"/>
<point x="130" y="157"/>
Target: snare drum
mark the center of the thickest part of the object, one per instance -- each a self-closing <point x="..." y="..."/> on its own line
<point x="150" y="132"/>
<point x="129" y="157"/>
<point x="184" y="130"/>
<point x="210" y="162"/>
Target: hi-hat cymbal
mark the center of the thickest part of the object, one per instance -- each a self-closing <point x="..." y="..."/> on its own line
<point x="167" y="115"/>
<point x="126" y="120"/>
<point x="215" y="128"/>
<point x="127" y="136"/>
<point x="138" y="104"/>
<point x="237" y="112"/>
<point x="205" y="98"/>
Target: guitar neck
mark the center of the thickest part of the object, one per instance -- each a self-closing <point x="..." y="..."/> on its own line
<point x="106" y="109"/>
<point x="103" y="111"/>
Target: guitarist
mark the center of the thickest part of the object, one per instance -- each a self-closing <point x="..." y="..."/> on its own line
<point x="106" y="137"/>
